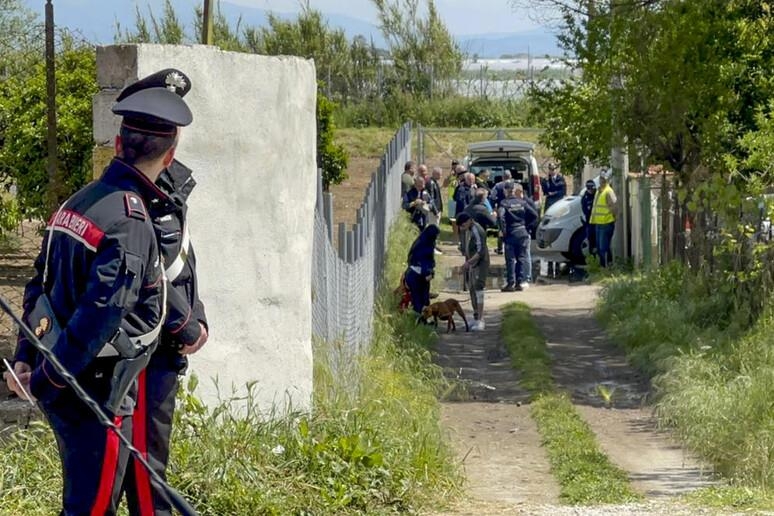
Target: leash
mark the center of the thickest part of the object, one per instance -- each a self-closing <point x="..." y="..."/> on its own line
<point x="165" y="490"/>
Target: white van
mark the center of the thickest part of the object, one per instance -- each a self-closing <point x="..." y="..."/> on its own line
<point x="497" y="156"/>
<point x="561" y="230"/>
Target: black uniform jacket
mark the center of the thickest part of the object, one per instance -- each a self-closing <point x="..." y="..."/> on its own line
<point x="184" y="308"/>
<point x="104" y="272"/>
<point x="517" y="217"/>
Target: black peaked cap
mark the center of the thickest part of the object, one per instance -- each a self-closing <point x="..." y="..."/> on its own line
<point x="155" y="103"/>
<point x="172" y="79"/>
<point x="156" y="106"/>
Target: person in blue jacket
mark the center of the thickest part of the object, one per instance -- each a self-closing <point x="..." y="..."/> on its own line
<point x="421" y="267"/>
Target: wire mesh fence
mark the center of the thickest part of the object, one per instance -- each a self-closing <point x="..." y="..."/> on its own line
<point x="345" y="277"/>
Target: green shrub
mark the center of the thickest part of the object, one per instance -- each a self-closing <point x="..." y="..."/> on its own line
<point x="713" y="377"/>
<point x="453" y="111"/>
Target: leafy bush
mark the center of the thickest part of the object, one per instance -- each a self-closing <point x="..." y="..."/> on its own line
<point x="23" y="154"/>
<point x="332" y="158"/>
<point x="453" y="111"/>
<point x="713" y="377"/>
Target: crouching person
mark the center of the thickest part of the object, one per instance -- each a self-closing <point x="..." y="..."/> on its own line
<point x="476" y="265"/>
<point x="421" y="268"/>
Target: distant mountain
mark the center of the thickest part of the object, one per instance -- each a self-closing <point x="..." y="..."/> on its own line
<point x="537" y="42"/>
<point x="97" y="21"/>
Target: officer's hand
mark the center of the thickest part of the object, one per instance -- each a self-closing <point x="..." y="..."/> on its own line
<point x="24" y="372"/>
<point x="196" y="346"/>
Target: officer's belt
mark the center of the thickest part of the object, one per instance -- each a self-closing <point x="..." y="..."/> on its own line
<point x="176" y="267"/>
<point x="117" y="346"/>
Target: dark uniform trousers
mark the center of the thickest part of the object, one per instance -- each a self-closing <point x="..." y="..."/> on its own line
<point x="94" y="454"/>
<point x="158" y="384"/>
<point x="152" y="429"/>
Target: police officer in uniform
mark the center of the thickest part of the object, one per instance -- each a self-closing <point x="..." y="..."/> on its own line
<point x="185" y="328"/>
<point x="100" y="279"/>
<point x="516" y="216"/>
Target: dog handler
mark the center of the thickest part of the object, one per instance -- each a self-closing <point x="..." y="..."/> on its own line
<point x="185" y="328"/>
<point x="421" y="267"/>
<point x="476" y="264"/>
<point x="99" y="278"/>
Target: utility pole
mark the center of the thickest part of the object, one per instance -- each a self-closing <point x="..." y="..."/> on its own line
<point x="52" y="192"/>
<point x="619" y="155"/>
<point x="207" y="23"/>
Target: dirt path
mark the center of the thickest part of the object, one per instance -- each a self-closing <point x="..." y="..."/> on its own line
<point x="497" y="442"/>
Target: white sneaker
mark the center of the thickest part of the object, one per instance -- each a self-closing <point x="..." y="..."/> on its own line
<point x="524" y="286"/>
<point x="478" y="325"/>
<point x="437" y="251"/>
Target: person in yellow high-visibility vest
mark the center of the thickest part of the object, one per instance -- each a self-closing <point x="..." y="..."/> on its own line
<point x="603" y="218"/>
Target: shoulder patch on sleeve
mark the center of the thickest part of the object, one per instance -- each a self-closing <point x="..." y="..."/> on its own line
<point x="135" y="207"/>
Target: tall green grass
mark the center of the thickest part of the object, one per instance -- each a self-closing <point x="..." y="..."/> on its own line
<point x="714" y="380"/>
<point x="372" y="443"/>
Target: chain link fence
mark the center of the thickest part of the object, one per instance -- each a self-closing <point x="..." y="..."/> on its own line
<point x="346" y="276"/>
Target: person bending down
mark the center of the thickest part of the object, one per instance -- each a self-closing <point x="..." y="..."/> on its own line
<point x="421" y="267"/>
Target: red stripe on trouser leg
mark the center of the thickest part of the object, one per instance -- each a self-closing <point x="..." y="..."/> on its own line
<point x="108" y="476"/>
<point x="140" y="441"/>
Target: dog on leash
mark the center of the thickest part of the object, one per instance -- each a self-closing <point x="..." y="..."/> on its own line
<point x="445" y="310"/>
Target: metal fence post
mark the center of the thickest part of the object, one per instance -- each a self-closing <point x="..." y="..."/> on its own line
<point x="350" y="246"/>
<point x="342" y="241"/>
<point x="328" y="214"/>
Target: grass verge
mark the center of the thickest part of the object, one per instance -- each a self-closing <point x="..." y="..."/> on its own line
<point x="713" y="379"/>
<point x="372" y="443"/>
<point x="585" y="474"/>
<point x="527" y="348"/>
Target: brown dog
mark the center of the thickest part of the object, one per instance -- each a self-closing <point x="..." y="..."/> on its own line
<point x="444" y="310"/>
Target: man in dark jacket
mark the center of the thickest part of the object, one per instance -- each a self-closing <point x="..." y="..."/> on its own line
<point x="421" y="267"/>
<point x="463" y="194"/>
<point x="554" y="189"/>
<point x="100" y="273"/>
<point x="554" y="186"/>
<point x="418" y="203"/>
<point x="516" y="215"/>
<point x="434" y="189"/>
<point x="476" y="266"/>
<point x="496" y="196"/>
<point x="587" y="203"/>
<point x="184" y="333"/>
<point x="479" y="210"/>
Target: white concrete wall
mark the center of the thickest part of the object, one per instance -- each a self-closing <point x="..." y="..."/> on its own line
<point x="252" y="149"/>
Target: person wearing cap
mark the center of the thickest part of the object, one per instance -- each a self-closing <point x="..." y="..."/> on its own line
<point x="100" y="277"/>
<point x="554" y="186"/>
<point x="185" y="327"/>
<point x="603" y="218"/>
<point x="587" y="203"/>
<point x="516" y="216"/>
<point x="476" y="266"/>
